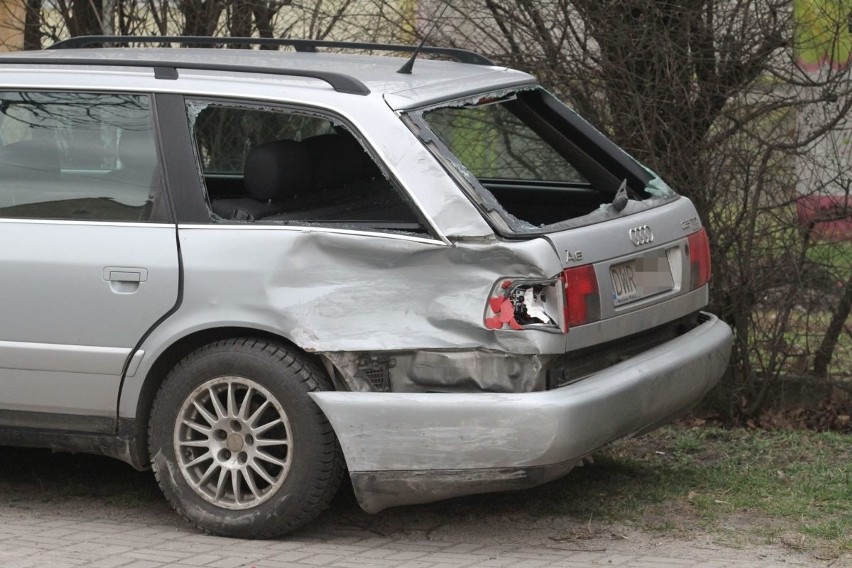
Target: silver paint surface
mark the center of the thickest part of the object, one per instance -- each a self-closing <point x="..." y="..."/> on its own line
<point x="338" y="293"/>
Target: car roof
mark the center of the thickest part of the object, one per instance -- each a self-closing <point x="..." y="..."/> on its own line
<point x="429" y="81"/>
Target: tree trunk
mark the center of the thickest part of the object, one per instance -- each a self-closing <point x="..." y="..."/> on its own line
<point x="32" y="25"/>
<point x="832" y="333"/>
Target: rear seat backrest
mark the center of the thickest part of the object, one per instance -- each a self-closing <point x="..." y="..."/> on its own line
<point x="30" y="159"/>
<point x="337" y="162"/>
<point x="273" y="172"/>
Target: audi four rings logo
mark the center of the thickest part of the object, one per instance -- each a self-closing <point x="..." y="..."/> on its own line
<point x="641" y="235"/>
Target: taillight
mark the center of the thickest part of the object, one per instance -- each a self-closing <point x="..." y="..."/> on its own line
<point x="699" y="259"/>
<point x="582" y="301"/>
<point x="525" y="303"/>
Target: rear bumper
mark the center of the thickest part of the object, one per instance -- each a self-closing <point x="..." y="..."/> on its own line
<point x="404" y="448"/>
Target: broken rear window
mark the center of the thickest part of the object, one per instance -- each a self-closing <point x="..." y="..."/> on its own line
<point x="531" y="159"/>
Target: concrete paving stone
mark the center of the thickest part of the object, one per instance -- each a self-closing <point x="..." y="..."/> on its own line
<point x="362" y="562"/>
<point x="455" y="559"/>
<point x="376" y="541"/>
<point x="579" y="556"/>
<point x="230" y="562"/>
<point x="136" y="541"/>
<point x="197" y="537"/>
<point x="322" y="559"/>
<point x="58" y="532"/>
<point x="656" y="561"/>
<point x="193" y="559"/>
<point x="20" y="551"/>
<point x="45" y="543"/>
<point x="497" y="562"/>
<point x="274" y="564"/>
<point x="290" y="556"/>
<point x="244" y="564"/>
<point x="375" y="552"/>
<point x="543" y="553"/>
<point x="159" y="555"/>
<point x="98" y="527"/>
<point x="331" y="548"/>
<point x="285" y="545"/>
<point x="145" y="564"/>
<point x="111" y="562"/>
<point x="530" y="564"/>
<point x="464" y="547"/>
<point x="415" y="547"/>
<point x="415" y="564"/>
<point x="95" y="548"/>
<point x="403" y="555"/>
<point x="612" y="559"/>
<point x="194" y="548"/>
<point x="445" y="565"/>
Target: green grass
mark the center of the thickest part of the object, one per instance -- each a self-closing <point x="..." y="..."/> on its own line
<point x="800" y="480"/>
<point x="835" y="256"/>
<point x="788" y="487"/>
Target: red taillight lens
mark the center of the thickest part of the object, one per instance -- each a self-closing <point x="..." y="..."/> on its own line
<point x="582" y="301"/>
<point x="699" y="259"/>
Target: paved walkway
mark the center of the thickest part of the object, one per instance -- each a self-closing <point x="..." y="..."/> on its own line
<point x="57" y="541"/>
<point x="60" y="510"/>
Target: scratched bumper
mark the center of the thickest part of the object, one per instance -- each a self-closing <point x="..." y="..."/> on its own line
<point x="404" y="448"/>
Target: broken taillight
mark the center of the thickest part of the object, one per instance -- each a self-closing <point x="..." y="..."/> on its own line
<point x="699" y="259"/>
<point x="582" y="301"/>
<point x="522" y="303"/>
<point x="557" y="304"/>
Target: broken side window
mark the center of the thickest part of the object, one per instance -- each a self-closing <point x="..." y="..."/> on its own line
<point x="274" y="165"/>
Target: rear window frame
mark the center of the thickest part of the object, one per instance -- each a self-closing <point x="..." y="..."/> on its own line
<point x="596" y="155"/>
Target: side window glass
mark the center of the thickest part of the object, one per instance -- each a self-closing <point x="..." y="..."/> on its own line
<point x="269" y="165"/>
<point x="78" y="156"/>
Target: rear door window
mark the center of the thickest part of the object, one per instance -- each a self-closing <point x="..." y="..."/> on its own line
<point x="288" y="166"/>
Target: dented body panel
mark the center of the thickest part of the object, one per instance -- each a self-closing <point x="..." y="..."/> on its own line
<point x="390" y="436"/>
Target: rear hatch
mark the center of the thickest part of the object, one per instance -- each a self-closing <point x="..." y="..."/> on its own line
<point x="634" y="253"/>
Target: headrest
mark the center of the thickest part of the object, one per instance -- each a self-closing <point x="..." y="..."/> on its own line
<point x="274" y="167"/>
<point x="337" y="159"/>
<point x="30" y="157"/>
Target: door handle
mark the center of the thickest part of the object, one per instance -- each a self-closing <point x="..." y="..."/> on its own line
<point x="125" y="280"/>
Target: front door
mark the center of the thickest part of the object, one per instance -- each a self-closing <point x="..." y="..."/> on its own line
<point x="88" y="254"/>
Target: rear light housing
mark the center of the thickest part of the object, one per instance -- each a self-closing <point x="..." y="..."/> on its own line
<point x="556" y="304"/>
<point x="523" y="303"/>
<point x="699" y="259"/>
<point x="582" y="300"/>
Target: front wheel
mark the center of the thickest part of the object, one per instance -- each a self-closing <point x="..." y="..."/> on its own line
<point x="236" y="443"/>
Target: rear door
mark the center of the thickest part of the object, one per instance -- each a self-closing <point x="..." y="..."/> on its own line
<point x="88" y="260"/>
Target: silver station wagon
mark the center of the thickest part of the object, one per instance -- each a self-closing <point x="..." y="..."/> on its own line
<point x="255" y="270"/>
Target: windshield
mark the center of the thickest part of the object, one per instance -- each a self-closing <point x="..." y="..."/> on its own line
<point x="532" y="160"/>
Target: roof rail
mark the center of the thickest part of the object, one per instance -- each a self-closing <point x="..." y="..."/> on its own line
<point x="303" y="45"/>
<point x="165" y="69"/>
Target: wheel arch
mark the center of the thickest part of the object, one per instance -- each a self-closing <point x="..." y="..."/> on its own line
<point x="158" y="371"/>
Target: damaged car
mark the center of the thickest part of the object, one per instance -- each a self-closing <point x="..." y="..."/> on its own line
<point x="258" y="271"/>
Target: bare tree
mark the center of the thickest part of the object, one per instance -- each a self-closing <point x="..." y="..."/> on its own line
<point x="707" y="93"/>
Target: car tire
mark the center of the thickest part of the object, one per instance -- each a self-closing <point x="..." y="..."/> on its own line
<point x="237" y="445"/>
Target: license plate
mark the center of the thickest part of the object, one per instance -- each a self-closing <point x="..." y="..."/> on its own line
<point x="640" y="278"/>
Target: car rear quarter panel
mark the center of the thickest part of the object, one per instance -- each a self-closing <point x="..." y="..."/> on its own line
<point x="333" y="291"/>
